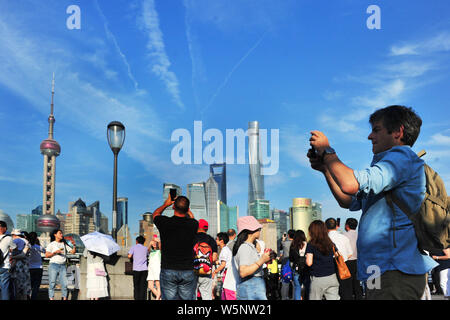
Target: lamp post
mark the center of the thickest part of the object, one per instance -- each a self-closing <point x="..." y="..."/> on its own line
<point x="116" y="137"/>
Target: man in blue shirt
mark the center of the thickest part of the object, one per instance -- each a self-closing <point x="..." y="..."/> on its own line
<point x="389" y="260"/>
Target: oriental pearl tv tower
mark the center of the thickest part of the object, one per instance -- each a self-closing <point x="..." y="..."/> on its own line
<point x="50" y="149"/>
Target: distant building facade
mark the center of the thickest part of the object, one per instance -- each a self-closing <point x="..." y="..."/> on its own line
<point x="301" y="214"/>
<point x="219" y="173"/>
<point x="226" y="217"/>
<point x="79" y="220"/>
<point x="260" y="209"/>
<point x="282" y="219"/>
<point x="146" y="227"/>
<point x="122" y="212"/>
<point x="212" y="198"/>
<point x="197" y="197"/>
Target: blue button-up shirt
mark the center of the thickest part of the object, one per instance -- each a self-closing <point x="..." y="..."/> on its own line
<point x="402" y="170"/>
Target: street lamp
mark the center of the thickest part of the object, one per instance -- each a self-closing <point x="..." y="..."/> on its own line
<point x="116" y="137"/>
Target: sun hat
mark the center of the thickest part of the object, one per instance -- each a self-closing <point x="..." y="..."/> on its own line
<point x="16" y="232"/>
<point x="203" y="224"/>
<point x="248" y="223"/>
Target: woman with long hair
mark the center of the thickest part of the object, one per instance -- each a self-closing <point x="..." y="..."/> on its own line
<point x="319" y="256"/>
<point x="297" y="256"/>
<point x="35" y="264"/>
<point x="248" y="263"/>
<point x="57" y="251"/>
<point x="154" y="267"/>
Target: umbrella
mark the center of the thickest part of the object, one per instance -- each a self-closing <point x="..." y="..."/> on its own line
<point x="100" y="243"/>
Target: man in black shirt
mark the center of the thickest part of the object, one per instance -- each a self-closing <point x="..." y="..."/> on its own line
<point x="177" y="278"/>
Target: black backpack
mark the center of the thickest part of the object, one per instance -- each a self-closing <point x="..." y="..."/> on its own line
<point x="2" y="254"/>
<point x="299" y="262"/>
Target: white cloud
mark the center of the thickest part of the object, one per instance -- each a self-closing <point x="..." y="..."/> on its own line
<point x="440" y="139"/>
<point x="160" y="62"/>
<point x="116" y="45"/>
<point x="438" y="43"/>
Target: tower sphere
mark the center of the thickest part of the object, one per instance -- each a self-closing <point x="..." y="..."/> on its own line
<point x="50" y="148"/>
<point x="47" y="223"/>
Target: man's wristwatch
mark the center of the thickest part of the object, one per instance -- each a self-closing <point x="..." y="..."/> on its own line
<point x="328" y="150"/>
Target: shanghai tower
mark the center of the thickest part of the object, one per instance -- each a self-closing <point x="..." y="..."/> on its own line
<point x="255" y="179"/>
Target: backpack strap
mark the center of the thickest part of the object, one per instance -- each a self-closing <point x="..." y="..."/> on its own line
<point x="421" y="153"/>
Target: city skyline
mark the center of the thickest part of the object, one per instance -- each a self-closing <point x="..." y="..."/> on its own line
<point x="158" y="66"/>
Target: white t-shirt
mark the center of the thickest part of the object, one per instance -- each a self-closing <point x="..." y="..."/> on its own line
<point x="6" y="243"/>
<point x="225" y="255"/>
<point x="58" y="258"/>
<point x="342" y="243"/>
<point x="230" y="278"/>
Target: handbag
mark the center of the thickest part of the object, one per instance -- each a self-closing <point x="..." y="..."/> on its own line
<point x="342" y="268"/>
<point x="129" y="268"/>
<point x="99" y="272"/>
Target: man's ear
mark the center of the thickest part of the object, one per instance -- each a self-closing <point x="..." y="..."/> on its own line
<point x="398" y="135"/>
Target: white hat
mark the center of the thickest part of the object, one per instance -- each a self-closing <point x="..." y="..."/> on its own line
<point x="17" y="232"/>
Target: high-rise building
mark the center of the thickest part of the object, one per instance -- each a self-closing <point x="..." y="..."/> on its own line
<point x="79" y="220"/>
<point x="219" y="172"/>
<point x="146" y="227"/>
<point x="316" y="211"/>
<point x="226" y="217"/>
<point x="166" y="191"/>
<point x="94" y="209"/>
<point x="255" y="178"/>
<point x="62" y="220"/>
<point x="27" y="222"/>
<point x="196" y="194"/>
<point x="269" y="233"/>
<point x="301" y="214"/>
<point x="37" y="210"/>
<point x="122" y="212"/>
<point x="124" y="237"/>
<point x="104" y="224"/>
<point x="282" y="219"/>
<point x="50" y="149"/>
<point x="260" y="209"/>
<point x="212" y="196"/>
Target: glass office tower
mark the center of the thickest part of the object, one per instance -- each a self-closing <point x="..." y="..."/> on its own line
<point x="197" y="196"/>
<point x="122" y="212"/>
<point x="219" y="172"/>
<point x="212" y="195"/>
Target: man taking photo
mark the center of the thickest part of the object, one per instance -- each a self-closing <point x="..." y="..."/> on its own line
<point x="387" y="242"/>
<point x="178" y="234"/>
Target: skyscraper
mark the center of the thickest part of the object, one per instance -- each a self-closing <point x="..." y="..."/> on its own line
<point x="50" y="149"/>
<point x="166" y="191"/>
<point x="301" y="214"/>
<point x="260" y="209"/>
<point x="219" y="172"/>
<point x="226" y="217"/>
<point x="197" y="197"/>
<point x="94" y="208"/>
<point x="122" y="212"/>
<point x="212" y="196"/>
<point x="79" y="220"/>
<point x="255" y="178"/>
<point x="282" y="219"/>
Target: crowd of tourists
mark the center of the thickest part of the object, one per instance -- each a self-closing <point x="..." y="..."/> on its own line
<point x="402" y="237"/>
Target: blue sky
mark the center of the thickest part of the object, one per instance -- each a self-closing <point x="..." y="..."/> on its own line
<point x="157" y="66"/>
